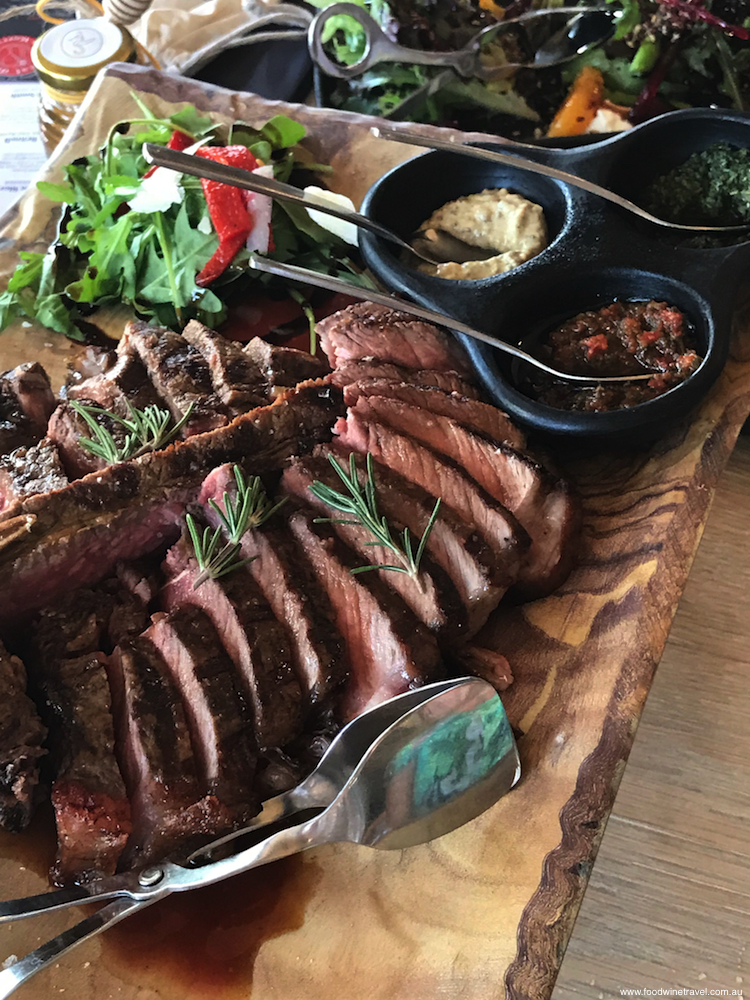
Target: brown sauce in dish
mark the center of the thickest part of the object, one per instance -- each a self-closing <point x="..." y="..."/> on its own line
<point x="623" y="338"/>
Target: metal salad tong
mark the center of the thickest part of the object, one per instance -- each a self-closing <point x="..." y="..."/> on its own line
<point x="407" y="771"/>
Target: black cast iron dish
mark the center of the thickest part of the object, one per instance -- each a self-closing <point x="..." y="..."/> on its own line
<point x="597" y="253"/>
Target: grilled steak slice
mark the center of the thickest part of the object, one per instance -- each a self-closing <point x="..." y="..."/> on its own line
<point x="368" y="368"/>
<point x="543" y="505"/>
<point x="477" y="416"/>
<point x="30" y="385"/>
<point x="367" y="330"/>
<point x="179" y="374"/>
<point x="221" y="726"/>
<point x="255" y="641"/>
<point x="55" y="542"/>
<point x="170" y="813"/>
<point x="87" y="364"/>
<point x="442" y="478"/>
<point x="26" y="402"/>
<point x="431" y="595"/>
<point x="92" y="811"/>
<point x="488" y="664"/>
<point x="283" y="367"/>
<point x="237" y="379"/>
<point x="66" y="430"/>
<point x="28" y="470"/>
<point x="454" y="544"/>
<point x="21" y="738"/>
<point x="388" y="649"/>
<point x="125" y="381"/>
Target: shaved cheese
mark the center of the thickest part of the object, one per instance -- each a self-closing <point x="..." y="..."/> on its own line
<point x="346" y="231"/>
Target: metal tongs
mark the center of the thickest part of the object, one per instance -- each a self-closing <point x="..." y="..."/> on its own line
<point x="381" y="783"/>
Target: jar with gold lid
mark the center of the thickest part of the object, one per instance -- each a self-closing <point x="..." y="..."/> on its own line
<point x="67" y="58"/>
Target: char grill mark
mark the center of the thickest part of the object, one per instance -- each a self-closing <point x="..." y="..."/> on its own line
<point x="507" y="540"/>
<point x="283" y="367"/>
<point x="179" y="374"/>
<point x="454" y="544"/>
<point x="170" y="813"/>
<point x="481" y="418"/>
<point x="221" y="726"/>
<point x="543" y="506"/>
<point x="366" y="330"/>
<point x="283" y="573"/>
<point x="21" y="738"/>
<point x="255" y="641"/>
<point x="431" y="596"/>
<point x="54" y="542"/>
<point x="388" y="649"/>
<point x="237" y="379"/>
<point x="26" y="402"/>
<point x="28" y="470"/>
<point x="428" y="378"/>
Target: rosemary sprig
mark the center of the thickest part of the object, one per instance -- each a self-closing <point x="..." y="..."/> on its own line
<point x="361" y="502"/>
<point x="249" y="508"/>
<point x="146" y="430"/>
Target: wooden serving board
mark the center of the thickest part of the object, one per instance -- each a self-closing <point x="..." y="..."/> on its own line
<point x="485" y="912"/>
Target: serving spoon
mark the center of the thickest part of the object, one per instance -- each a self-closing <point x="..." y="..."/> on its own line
<point x="583" y="28"/>
<point x="458" y="146"/>
<point x="293" y="273"/>
<point x="443" y="249"/>
<point x="397" y="794"/>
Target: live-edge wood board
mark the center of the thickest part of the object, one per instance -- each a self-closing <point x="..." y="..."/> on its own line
<point x="484" y="912"/>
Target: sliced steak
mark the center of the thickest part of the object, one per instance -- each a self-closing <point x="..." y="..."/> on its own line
<point x="479" y="577"/>
<point x="67" y="429"/>
<point x="87" y="363"/>
<point x="431" y="595"/>
<point x="255" y="641"/>
<point x="21" y="738"/>
<point x="487" y="664"/>
<point x="366" y="330"/>
<point x="370" y="368"/>
<point x="92" y="811"/>
<point x="179" y="374"/>
<point x="170" y="813"/>
<point x="125" y="381"/>
<point x="30" y="385"/>
<point x="388" y="649"/>
<point x="54" y="542"/>
<point x="543" y="505"/>
<point x="443" y="479"/>
<point x="220" y="722"/>
<point x="283" y="367"/>
<point x="29" y="470"/>
<point x="26" y="402"/>
<point x="477" y="416"/>
<point x="237" y="380"/>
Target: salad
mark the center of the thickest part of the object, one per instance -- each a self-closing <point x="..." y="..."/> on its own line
<point x="171" y="247"/>
<point x="665" y="54"/>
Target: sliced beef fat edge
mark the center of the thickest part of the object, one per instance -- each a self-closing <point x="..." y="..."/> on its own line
<point x="21" y="738"/>
<point x="54" y="542"/>
<point x="543" y="505"/>
<point x="431" y="595"/>
<point x="453" y="543"/>
<point x="389" y="650"/>
<point x="506" y="538"/>
<point x="255" y="641"/>
<point x="366" y="330"/>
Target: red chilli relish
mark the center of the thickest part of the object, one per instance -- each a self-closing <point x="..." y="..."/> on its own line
<point x="624" y="338"/>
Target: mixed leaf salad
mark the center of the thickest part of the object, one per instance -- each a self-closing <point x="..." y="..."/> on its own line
<point x="172" y="247"/>
<point x="665" y="54"/>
